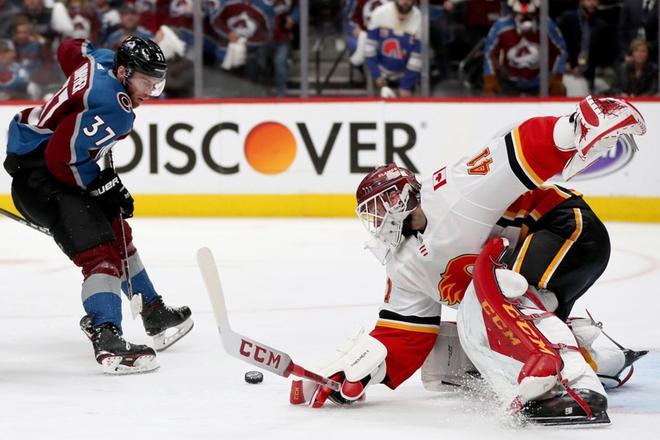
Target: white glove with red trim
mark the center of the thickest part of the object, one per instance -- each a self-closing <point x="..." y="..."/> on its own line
<point x="360" y="363"/>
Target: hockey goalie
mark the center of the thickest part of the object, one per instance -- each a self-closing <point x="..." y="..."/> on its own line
<point x="512" y="254"/>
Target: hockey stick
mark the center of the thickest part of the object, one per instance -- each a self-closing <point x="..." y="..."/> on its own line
<point x="242" y="347"/>
<point x="135" y="300"/>
<point x="25" y="222"/>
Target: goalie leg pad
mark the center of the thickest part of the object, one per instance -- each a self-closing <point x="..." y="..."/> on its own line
<point x="517" y="344"/>
<point x="613" y="364"/>
<point x="447" y="364"/>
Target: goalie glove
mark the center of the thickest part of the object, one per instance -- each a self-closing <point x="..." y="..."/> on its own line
<point x="360" y="363"/>
<point x="598" y="124"/>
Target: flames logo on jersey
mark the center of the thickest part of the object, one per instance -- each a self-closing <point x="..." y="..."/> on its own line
<point x="456" y="278"/>
<point x="391" y="48"/>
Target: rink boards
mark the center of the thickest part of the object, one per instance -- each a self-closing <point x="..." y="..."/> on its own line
<point x="305" y="158"/>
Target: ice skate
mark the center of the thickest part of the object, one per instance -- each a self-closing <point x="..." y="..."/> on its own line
<point x="164" y="323"/>
<point x="115" y="354"/>
<point x="565" y="410"/>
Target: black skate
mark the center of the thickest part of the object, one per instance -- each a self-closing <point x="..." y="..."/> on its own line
<point x="159" y="318"/>
<point x="564" y="410"/>
<point x="115" y="354"/>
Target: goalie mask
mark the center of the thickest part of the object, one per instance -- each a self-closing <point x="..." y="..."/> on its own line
<point x="525" y="14"/>
<point x="385" y="198"/>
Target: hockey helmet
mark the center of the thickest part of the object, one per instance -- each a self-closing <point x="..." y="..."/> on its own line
<point x="385" y="197"/>
<point x="144" y="56"/>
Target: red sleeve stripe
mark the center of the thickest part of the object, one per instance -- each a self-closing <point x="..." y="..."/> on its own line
<point x="408" y="326"/>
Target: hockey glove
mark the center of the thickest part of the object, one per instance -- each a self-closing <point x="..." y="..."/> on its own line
<point x="111" y="193"/>
<point x="361" y="362"/>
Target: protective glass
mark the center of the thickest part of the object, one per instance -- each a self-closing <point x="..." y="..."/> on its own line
<point x="151" y="86"/>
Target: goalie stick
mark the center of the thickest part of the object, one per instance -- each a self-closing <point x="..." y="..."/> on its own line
<point x="242" y="347"/>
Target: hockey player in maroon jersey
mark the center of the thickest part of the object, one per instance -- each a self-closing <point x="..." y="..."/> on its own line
<point x="511" y="323"/>
<point x="52" y="156"/>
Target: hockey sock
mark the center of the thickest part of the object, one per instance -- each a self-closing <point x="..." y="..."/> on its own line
<point x="104" y="307"/>
<point x="141" y="284"/>
<point x="139" y="279"/>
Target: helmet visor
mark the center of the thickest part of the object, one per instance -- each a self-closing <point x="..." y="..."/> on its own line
<point x="147" y="84"/>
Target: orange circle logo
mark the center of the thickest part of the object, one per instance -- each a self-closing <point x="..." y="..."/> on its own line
<point x="270" y="148"/>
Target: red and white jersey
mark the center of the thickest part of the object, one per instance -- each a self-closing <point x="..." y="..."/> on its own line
<point x="462" y="203"/>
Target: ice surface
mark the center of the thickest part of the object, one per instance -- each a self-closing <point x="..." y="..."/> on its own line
<point x="300" y="285"/>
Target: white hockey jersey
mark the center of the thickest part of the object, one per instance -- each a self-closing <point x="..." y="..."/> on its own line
<point x="462" y="204"/>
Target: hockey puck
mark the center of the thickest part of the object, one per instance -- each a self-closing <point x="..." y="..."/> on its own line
<point x="254" y="377"/>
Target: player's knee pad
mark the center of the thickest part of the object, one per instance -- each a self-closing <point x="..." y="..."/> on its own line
<point x="81" y="224"/>
<point x="101" y="259"/>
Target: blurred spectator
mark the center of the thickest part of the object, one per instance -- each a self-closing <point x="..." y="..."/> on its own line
<point x="151" y="12"/>
<point x="591" y="44"/>
<point x="638" y="19"/>
<point x="639" y="76"/>
<point x="514" y="39"/>
<point x="8" y="11"/>
<point x="86" y="24"/>
<point x="35" y="56"/>
<point x="180" y="70"/>
<point x="280" y="47"/>
<point x="558" y="7"/>
<point x="357" y="14"/>
<point x="241" y="29"/>
<point x="14" y="78"/>
<point x="393" y="47"/>
<point x="129" y="24"/>
<point x="108" y="15"/>
<point x="441" y="34"/>
<point x="180" y="19"/>
<point x="50" y="23"/>
<point x="479" y="17"/>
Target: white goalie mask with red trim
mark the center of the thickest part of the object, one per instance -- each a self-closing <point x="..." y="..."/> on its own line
<point x="385" y="198"/>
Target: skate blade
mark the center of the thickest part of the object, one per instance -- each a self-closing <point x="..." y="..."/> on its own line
<point x="162" y="341"/>
<point x="599" y="419"/>
<point x="112" y="365"/>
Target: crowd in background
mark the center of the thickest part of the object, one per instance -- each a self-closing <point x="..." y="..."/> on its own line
<point x="490" y="47"/>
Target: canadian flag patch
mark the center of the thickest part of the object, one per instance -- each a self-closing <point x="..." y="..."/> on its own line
<point x="439" y="178"/>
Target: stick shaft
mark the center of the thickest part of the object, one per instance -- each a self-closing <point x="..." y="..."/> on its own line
<point x="25" y="222"/>
<point x="243" y="347"/>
